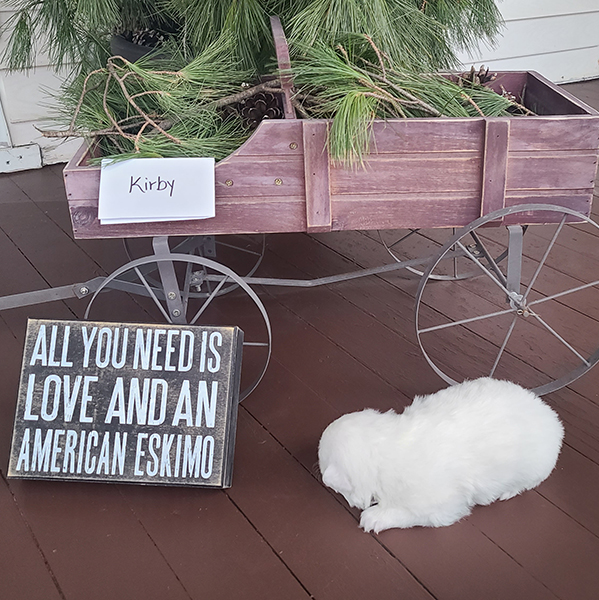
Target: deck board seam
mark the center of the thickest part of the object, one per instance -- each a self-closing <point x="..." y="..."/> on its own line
<point x="523" y="567"/>
<point x="153" y="541"/>
<point x="35" y="540"/>
<point x="341" y="504"/>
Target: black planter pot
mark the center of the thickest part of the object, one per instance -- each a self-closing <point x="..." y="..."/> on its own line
<point x="119" y="46"/>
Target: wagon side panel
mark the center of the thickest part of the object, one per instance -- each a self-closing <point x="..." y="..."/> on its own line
<point x="420" y="173"/>
<point x="259" y="188"/>
<point x="552" y="160"/>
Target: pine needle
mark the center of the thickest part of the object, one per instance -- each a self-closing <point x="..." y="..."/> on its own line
<point x="353" y="86"/>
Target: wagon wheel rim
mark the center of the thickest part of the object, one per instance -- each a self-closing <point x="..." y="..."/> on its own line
<point x="221" y="275"/>
<point x="455" y="273"/>
<point x="522" y="304"/>
<point x="257" y="255"/>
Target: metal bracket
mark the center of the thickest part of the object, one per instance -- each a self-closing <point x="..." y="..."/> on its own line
<point x="514" y="264"/>
<point x="176" y="304"/>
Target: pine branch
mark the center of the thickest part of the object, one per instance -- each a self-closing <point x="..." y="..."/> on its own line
<point x="112" y="70"/>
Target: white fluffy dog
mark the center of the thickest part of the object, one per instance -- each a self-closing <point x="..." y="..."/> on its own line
<point x="468" y="444"/>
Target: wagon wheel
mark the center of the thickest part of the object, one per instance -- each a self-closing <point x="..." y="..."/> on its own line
<point x="526" y="318"/>
<point x="182" y="296"/>
<point x="242" y="253"/>
<point x="406" y="244"/>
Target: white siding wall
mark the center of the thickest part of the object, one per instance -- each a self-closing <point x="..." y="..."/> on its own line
<point x="24" y="100"/>
<point x="558" y="38"/>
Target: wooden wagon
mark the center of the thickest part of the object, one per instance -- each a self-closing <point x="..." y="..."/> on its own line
<point x="436" y="172"/>
<point x="492" y="177"/>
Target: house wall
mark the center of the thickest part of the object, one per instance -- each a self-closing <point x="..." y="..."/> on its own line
<point x="24" y="101"/>
<point x="558" y="38"/>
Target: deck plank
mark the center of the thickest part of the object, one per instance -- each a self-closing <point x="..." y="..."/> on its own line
<point x="207" y="540"/>
<point x="24" y="571"/>
<point x="316" y="537"/>
<point x="94" y="544"/>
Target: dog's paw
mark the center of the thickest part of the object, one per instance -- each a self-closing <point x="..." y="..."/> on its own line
<point x="377" y="518"/>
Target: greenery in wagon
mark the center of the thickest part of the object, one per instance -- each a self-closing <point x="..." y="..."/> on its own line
<point x="212" y="75"/>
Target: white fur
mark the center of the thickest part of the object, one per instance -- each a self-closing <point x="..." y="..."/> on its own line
<point x="468" y="444"/>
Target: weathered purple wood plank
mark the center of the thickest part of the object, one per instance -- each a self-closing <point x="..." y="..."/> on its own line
<point x="545" y="98"/>
<point x="514" y="81"/>
<point x="84" y="183"/>
<point x="544" y="171"/>
<point x="316" y="169"/>
<point x="575" y="200"/>
<point x="272" y="138"/>
<point x="258" y="177"/>
<point x="255" y="217"/>
<point x="428" y="135"/>
<point x="396" y="173"/>
<point x="284" y="63"/>
<point x="554" y="133"/>
<point x="494" y="165"/>
<point x="423" y="159"/>
<point x="250" y="176"/>
<point x="411" y="211"/>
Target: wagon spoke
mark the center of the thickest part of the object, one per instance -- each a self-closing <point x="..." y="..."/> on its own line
<point x="187" y="286"/>
<point x="505" y="341"/>
<point x="560" y="338"/>
<point x="545" y="255"/>
<point x="241" y="249"/>
<point x="564" y="293"/>
<point x="492" y="262"/>
<point x="152" y="295"/>
<point x="465" y="321"/>
<point x="501" y="284"/>
<point x="209" y="299"/>
<point x="518" y="277"/>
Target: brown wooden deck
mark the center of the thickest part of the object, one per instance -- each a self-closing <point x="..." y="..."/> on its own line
<point x="278" y="533"/>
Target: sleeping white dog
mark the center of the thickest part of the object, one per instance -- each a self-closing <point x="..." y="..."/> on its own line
<point x="468" y="444"/>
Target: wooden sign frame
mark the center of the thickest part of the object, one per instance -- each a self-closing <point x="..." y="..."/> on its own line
<point x="127" y="403"/>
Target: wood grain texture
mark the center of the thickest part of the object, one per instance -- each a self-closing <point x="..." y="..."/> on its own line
<point x="543" y="171"/>
<point x="284" y="64"/>
<point x="552" y="133"/>
<point x="408" y="136"/>
<point x="281" y="215"/>
<point x="495" y="162"/>
<point x="257" y="177"/>
<point x="272" y="137"/>
<point x="425" y="173"/>
<point x="545" y="98"/>
<point x="316" y="171"/>
<point x="441" y="210"/>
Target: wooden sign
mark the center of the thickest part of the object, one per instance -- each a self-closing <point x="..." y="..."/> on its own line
<point x="121" y="402"/>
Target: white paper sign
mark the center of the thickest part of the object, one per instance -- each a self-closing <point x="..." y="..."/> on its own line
<point x="143" y="190"/>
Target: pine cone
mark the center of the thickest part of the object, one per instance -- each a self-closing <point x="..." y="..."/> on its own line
<point x="474" y="77"/>
<point x="263" y="105"/>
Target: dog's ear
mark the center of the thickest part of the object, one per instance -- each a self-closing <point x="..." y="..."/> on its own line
<point x="336" y="479"/>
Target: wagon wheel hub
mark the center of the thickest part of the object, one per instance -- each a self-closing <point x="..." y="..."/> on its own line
<point x="519" y="304"/>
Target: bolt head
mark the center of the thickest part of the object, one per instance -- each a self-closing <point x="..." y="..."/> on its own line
<point x="171" y="295"/>
<point x="176" y="312"/>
